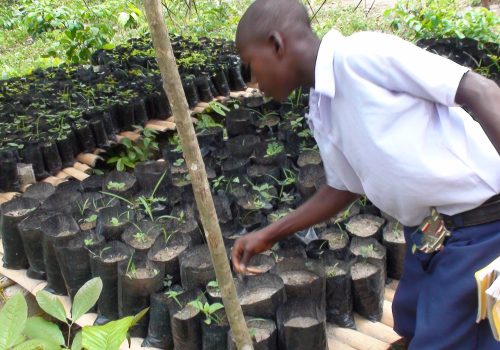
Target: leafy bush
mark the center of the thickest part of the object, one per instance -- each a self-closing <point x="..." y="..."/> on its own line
<point x="442" y="19"/>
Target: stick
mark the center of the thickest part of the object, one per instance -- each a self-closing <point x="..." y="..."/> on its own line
<point x="175" y="93"/>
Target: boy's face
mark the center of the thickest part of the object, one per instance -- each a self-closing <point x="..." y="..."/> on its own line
<point x="272" y="71"/>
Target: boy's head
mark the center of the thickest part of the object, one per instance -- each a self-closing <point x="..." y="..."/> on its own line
<point x="273" y="37"/>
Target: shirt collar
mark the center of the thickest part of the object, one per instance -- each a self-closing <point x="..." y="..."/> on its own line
<point x="323" y="72"/>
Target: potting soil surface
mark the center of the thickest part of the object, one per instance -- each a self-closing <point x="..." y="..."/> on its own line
<point x="142" y="273"/>
<point x="362" y="270"/>
<point x="363" y="227"/>
<point x="254" y="296"/>
<point x="65" y="233"/>
<point x="301" y="322"/>
<point x="298" y="278"/>
<point x="186" y="313"/>
<point x="114" y="258"/>
<point x="169" y="253"/>
<point x="142" y="243"/>
<point x="19" y="212"/>
<point x="259" y="334"/>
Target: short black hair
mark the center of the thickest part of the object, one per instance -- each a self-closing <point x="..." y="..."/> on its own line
<point x="265" y="16"/>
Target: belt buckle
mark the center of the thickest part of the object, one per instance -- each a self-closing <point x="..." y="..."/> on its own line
<point x="429" y="237"/>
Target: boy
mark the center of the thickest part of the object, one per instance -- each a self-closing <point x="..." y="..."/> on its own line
<point x="386" y="119"/>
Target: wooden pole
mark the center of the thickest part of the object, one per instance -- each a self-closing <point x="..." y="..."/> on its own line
<point x="173" y="88"/>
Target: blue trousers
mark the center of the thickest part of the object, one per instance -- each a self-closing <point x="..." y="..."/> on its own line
<point x="436" y="301"/>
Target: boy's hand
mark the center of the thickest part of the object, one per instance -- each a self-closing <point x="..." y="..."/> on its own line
<point x="247" y="246"/>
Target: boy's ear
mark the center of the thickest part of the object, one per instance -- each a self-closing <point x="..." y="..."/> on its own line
<point x="277" y="42"/>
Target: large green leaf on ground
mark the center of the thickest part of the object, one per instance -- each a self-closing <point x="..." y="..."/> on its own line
<point x="86" y="297"/>
<point x="39" y="328"/>
<point x="51" y="304"/>
<point x="12" y="321"/>
<point x="106" y="337"/>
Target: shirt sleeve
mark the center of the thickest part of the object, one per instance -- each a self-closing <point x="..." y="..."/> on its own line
<point x="401" y="66"/>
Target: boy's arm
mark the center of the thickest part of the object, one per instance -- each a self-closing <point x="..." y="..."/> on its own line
<point x="325" y="203"/>
<point x="482" y="96"/>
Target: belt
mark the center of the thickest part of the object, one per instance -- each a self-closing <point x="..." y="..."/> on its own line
<point x="486" y="213"/>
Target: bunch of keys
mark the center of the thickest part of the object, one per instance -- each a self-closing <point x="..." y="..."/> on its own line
<point x="431" y="234"/>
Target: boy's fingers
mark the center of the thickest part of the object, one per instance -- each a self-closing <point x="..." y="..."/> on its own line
<point x="244" y="261"/>
<point x="236" y="255"/>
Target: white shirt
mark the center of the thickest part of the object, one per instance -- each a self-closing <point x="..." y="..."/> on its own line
<point x="384" y="116"/>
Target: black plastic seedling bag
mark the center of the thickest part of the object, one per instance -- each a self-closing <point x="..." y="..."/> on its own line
<point x="74" y="260"/>
<point x="261" y="295"/>
<point x="196" y="267"/>
<point x="58" y="228"/>
<point x="39" y="191"/>
<point x="141" y="235"/>
<point x="303" y="278"/>
<point x="32" y="236"/>
<point x="263" y="332"/>
<point x="371" y="251"/>
<point x="51" y="157"/>
<point x="166" y="250"/>
<point x="104" y="264"/>
<point x="148" y="176"/>
<point x="394" y="242"/>
<point x="112" y="222"/>
<point x="301" y="325"/>
<point x="119" y="183"/>
<point x="32" y="154"/>
<point x="338" y="291"/>
<point x="186" y="320"/>
<point x="138" y="278"/>
<point x="368" y="290"/>
<point x="64" y="200"/>
<point x="338" y="241"/>
<point x="214" y="334"/>
<point x="159" y="329"/>
<point x="13" y="212"/>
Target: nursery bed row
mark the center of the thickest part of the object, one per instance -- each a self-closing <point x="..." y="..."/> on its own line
<point x="85" y="161"/>
<point x="369" y="335"/>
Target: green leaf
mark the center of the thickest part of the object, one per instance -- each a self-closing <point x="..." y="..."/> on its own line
<point x="12" y="320"/>
<point x="123" y="18"/>
<point x="108" y="46"/>
<point x="77" y="341"/>
<point x="86" y="297"/>
<point x="215" y="307"/>
<point x="52" y="305"/>
<point x="38" y="344"/>
<point x="140" y="315"/>
<point x="106" y="337"/>
<point x="119" y="165"/>
<point x="38" y="328"/>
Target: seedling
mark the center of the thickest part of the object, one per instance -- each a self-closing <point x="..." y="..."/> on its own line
<point x="83" y="207"/>
<point x="218" y="108"/>
<point x="297" y="123"/>
<point x="205" y="121"/>
<point x="213" y="284"/>
<point x="367" y="251"/>
<point x="115" y="221"/>
<point x="140" y="237"/>
<point x="332" y="272"/>
<point x="273" y="149"/>
<point x="131" y="269"/>
<point x="173" y="295"/>
<point x="116" y="186"/>
<point x="91" y="218"/>
<point x="209" y="311"/>
<point x="88" y="241"/>
<point x="179" y="162"/>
